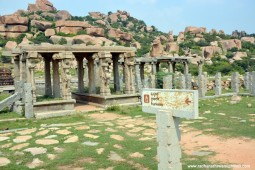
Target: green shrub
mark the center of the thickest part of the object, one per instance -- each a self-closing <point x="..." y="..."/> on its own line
<point x="62" y="41"/>
<point x="65" y="35"/>
<point x="41" y="38"/>
<point x="82" y="32"/>
<point x="19" y="39"/>
<point x="78" y="41"/>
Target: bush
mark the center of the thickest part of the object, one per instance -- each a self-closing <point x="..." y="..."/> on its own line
<point x="20" y="38"/>
<point x="82" y="32"/>
<point x="65" y="35"/>
<point x="41" y="38"/>
<point x="62" y="41"/>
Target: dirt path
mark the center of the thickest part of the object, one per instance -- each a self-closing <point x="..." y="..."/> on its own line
<point x="232" y="151"/>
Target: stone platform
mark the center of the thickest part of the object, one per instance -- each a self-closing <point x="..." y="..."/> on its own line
<point x="105" y="101"/>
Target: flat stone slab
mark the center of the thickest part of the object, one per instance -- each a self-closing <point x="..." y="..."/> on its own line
<point x="59" y="150"/>
<point x="117" y="146"/>
<point x="72" y="139"/>
<point x="42" y="133"/>
<point x="4" y="138"/>
<point x="21" y="139"/>
<point x="26" y="132"/>
<point x="136" y="155"/>
<point x="63" y="132"/>
<point x="36" y="151"/>
<point x="35" y="163"/>
<point x="64" y="124"/>
<point x="51" y="136"/>
<point x="100" y="151"/>
<point x="110" y="130"/>
<point x="82" y="127"/>
<point x="117" y="137"/>
<point x="201" y="153"/>
<point x="51" y="156"/>
<point x="46" y="141"/>
<point x="89" y="143"/>
<point x="4" y="161"/>
<point x="115" y="157"/>
<point x="91" y="136"/>
<point x="19" y="146"/>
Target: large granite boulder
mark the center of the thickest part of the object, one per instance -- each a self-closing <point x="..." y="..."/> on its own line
<point x="170" y="36"/>
<point x="229" y="44"/>
<point x="239" y="55"/>
<point x="49" y="32"/>
<point x="118" y="34"/>
<point x="113" y="17"/>
<point x="96" y="15"/>
<point x="10" y="45"/>
<point x="172" y="47"/>
<point x="195" y="30"/>
<point x="95" y="31"/>
<point x="181" y="37"/>
<point x="13" y="28"/>
<point x="13" y="20"/>
<point x="248" y="39"/>
<point x="63" y="15"/>
<point x="41" y="5"/>
<point x="72" y="24"/>
<point x="157" y="48"/>
<point x="69" y="30"/>
<point x="209" y="51"/>
<point x="41" y="25"/>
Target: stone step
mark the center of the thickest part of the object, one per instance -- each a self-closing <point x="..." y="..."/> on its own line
<point x="43" y="115"/>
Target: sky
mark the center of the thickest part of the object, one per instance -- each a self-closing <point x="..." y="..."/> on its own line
<point x="166" y="15"/>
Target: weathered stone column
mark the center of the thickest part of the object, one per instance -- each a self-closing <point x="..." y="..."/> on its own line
<point x="129" y="66"/>
<point x="247" y="80"/>
<point x="170" y="67"/>
<point x="67" y="58"/>
<point x="142" y="70"/>
<point x="168" y="82"/>
<point x="235" y="82"/>
<point x="152" y="79"/>
<point x="116" y="73"/>
<point x="250" y="82"/>
<point x="201" y="87"/>
<point x="205" y="81"/>
<point x="23" y="68"/>
<point x="97" y="74"/>
<point x="16" y="68"/>
<point x="138" y="79"/>
<point x="186" y="68"/>
<point x="80" y="71"/>
<point x="47" y="76"/>
<point x="106" y="69"/>
<point x="182" y="82"/>
<point x="218" y="88"/>
<point x="188" y="81"/>
<point x="86" y="76"/>
<point x="154" y="68"/>
<point x="56" y="78"/>
<point x="252" y="87"/>
<point x="91" y="72"/>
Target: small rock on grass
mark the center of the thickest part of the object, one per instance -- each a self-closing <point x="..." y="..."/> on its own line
<point x="136" y="155"/>
<point x="35" y="163"/>
<point x="4" y="161"/>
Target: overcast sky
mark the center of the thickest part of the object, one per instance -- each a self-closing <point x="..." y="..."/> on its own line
<point x="166" y="15"/>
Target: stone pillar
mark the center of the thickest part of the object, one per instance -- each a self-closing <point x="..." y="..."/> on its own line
<point x="80" y="71"/>
<point x="56" y="78"/>
<point x="182" y="82"/>
<point x="170" y="67"/>
<point x="47" y="76"/>
<point x="205" y="81"/>
<point x="97" y="74"/>
<point x="152" y="80"/>
<point x="28" y="98"/>
<point x="168" y="138"/>
<point x="188" y="80"/>
<point x="250" y="82"/>
<point x="129" y="66"/>
<point x="138" y="77"/>
<point x="247" y="80"/>
<point x="235" y="82"/>
<point x="142" y="70"/>
<point x="154" y="68"/>
<point x="146" y="83"/>
<point x="201" y="87"/>
<point x="67" y="58"/>
<point x="23" y="68"/>
<point x="218" y="88"/>
<point x="86" y="76"/>
<point x="200" y="68"/>
<point x="168" y="82"/>
<point x="105" y="70"/>
<point x="174" y="63"/>
<point x="16" y="69"/>
<point x="91" y="72"/>
<point x="116" y="73"/>
<point x="186" y="68"/>
<point x="252" y="87"/>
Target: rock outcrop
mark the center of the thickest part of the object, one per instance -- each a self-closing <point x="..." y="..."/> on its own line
<point x="41" y="5"/>
<point x="229" y="44"/>
<point x="95" y="31"/>
<point x="172" y="47"/>
<point x="116" y="33"/>
<point x="63" y="15"/>
<point x="41" y="25"/>
<point x="248" y="39"/>
<point x="170" y="36"/>
<point x="181" y="37"/>
<point x="209" y="51"/>
<point x="96" y="15"/>
<point x="49" y="32"/>
<point x="157" y="48"/>
<point x="71" y="27"/>
<point x="239" y="55"/>
<point x="10" y="45"/>
<point x="195" y="30"/>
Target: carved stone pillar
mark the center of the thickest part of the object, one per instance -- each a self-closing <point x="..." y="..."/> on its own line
<point x="67" y="58"/>
<point x="32" y="58"/>
<point x="129" y="67"/>
<point x="56" y="78"/>
<point x="48" y="87"/>
<point x="17" y="68"/>
<point x="23" y="68"/>
<point x="142" y="71"/>
<point x="116" y="73"/>
<point x="80" y="69"/>
<point x="170" y="67"/>
<point x="92" y="74"/>
<point x="154" y="68"/>
<point x="105" y="72"/>
<point x="186" y="68"/>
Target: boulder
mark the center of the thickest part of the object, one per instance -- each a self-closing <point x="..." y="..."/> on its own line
<point x="35" y="17"/>
<point x="13" y="20"/>
<point x="137" y="45"/>
<point x="248" y="39"/>
<point x="195" y="30"/>
<point x="13" y="28"/>
<point x="170" y="36"/>
<point x="49" y="32"/>
<point x="229" y="44"/>
<point x="180" y="37"/>
<point x="94" y="40"/>
<point x="221" y="32"/>
<point x="114" y="33"/>
<point x="209" y="51"/>
<point x="63" y="15"/>
<point x="239" y="55"/>
<point x="214" y="43"/>
<point x="32" y="8"/>
<point x="11" y="45"/>
<point x="199" y="36"/>
<point x="163" y="39"/>
<point x="25" y="41"/>
<point x="157" y="48"/>
<point x="44" y="5"/>
<point x="126" y="36"/>
<point x="130" y="25"/>
<point x="172" y="47"/>
<point x="123" y="13"/>
<point x="149" y="29"/>
<point x="72" y="24"/>
<point x="41" y="25"/>
<point x="123" y="17"/>
<point x="101" y="22"/>
<point x="196" y="39"/>
<point x="69" y="30"/>
<point x="48" y="14"/>
<point x="10" y="34"/>
<point x="213" y="31"/>
<point x="113" y="17"/>
<point x="95" y="31"/>
<point x="95" y="15"/>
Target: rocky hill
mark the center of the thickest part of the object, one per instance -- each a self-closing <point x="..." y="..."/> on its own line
<point x="43" y="23"/>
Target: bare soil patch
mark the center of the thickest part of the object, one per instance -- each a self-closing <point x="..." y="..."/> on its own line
<point x="104" y="116"/>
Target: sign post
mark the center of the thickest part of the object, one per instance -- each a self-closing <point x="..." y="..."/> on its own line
<point x="169" y="106"/>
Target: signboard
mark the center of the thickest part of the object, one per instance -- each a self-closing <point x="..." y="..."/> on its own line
<point x="182" y="103"/>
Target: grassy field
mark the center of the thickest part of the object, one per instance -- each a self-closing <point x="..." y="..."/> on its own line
<point x="136" y="132"/>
